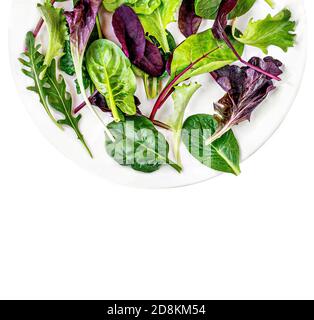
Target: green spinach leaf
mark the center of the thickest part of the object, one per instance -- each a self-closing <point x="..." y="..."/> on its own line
<point x="222" y="155"/>
<point x="138" y="144"/>
<point x="112" y="75"/>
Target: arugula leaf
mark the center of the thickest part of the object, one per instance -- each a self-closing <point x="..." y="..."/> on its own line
<point x="181" y="98"/>
<point x="57" y="30"/>
<point x="222" y="155"/>
<point x="277" y="30"/>
<point x="34" y="66"/>
<point x="139" y="144"/>
<point x="61" y="101"/>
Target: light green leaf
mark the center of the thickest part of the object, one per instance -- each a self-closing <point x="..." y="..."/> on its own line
<point x="112" y="75"/>
<point x="156" y="23"/>
<point x="277" y="31"/>
<point x="181" y="98"/>
<point x="57" y="30"/>
<point x="197" y="46"/>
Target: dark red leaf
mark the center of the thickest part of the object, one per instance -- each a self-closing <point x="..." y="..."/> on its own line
<point x="189" y="22"/>
<point x="141" y="52"/>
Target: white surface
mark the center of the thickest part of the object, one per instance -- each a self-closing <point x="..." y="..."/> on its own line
<point x="251" y="136"/>
<point x="67" y="234"/>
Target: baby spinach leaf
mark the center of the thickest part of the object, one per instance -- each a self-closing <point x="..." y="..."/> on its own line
<point x="277" y="30"/>
<point x="222" y="155"/>
<point x="111" y="73"/>
<point x="139" y="144"/>
<point x="33" y="66"/>
<point x="61" y="101"/>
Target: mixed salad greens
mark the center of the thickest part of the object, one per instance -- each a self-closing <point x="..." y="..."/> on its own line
<point x="105" y="74"/>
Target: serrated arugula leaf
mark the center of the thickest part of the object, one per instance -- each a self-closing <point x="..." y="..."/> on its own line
<point x="61" y="101"/>
<point x="277" y="31"/>
<point x="33" y="66"/>
<point x="57" y="30"/>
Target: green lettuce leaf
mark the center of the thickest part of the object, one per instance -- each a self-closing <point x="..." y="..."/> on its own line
<point x="57" y="30"/>
<point x="277" y="31"/>
<point x="181" y="98"/>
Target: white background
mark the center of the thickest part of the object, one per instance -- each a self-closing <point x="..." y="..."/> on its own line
<point x="69" y="235"/>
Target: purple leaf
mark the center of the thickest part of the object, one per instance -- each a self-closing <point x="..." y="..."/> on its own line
<point x="189" y="22"/>
<point x="129" y="32"/>
<point x="246" y="90"/>
<point x="81" y="22"/>
<point x="221" y="21"/>
<point x="141" y="52"/>
<point x="226" y="6"/>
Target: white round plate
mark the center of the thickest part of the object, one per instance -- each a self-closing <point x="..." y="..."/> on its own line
<point x="251" y="136"/>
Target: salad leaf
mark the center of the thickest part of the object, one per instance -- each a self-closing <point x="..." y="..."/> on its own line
<point x="208" y="9"/>
<point x="142" y="53"/>
<point x="189" y="22"/>
<point x="246" y="90"/>
<point x="111" y="72"/>
<point x="181" y="98"/>
<point x="222" y="155"/>
<point x="277" y="30"/>
<point x="139" y="6"/>
<point x="145" y="6"/>
<point x="33" y="66"/>
<point x="198" y="54"/>
<point x="196" y="47"/>
<point x="139" y="144"/>
<point x="66" y="62"/>
<point x="57" y="30"/>
<point x="59" y="99"/>
<point x="219" y="32"/>
<point x="81" y="22"/>
<point x="156" y="23"/>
